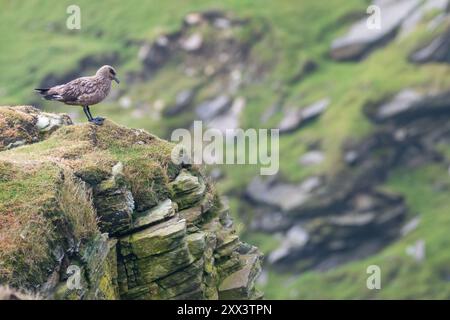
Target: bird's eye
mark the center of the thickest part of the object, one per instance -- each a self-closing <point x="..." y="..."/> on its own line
<point x="112" y="72"/>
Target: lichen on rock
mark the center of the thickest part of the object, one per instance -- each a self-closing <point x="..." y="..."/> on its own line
<point x="162" y="231"/>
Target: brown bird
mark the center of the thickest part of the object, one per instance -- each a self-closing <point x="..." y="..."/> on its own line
<point x="85" y="91"/>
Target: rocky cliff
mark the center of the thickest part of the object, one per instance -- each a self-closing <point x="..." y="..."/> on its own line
<point x="101" y="212"/>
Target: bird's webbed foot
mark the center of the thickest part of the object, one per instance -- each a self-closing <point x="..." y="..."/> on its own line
<point x="98" y="121"/>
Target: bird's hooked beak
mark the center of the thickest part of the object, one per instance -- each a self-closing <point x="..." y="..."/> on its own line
<point x="116" y="80"/>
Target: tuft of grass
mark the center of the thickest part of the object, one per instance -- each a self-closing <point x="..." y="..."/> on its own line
<point x="75" y="201"/>
<point x="148" y="181"/>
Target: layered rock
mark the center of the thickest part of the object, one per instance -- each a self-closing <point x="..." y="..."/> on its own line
<point x="163" y="230"/>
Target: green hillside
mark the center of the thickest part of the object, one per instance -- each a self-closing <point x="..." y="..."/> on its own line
<point x="274" y="44"/>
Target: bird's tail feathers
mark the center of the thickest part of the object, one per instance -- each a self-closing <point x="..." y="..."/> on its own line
<point x="44" y="93"/>
<point x="42" y="90"/>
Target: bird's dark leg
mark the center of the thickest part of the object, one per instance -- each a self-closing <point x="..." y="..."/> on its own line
<point x="97" y="120"/>
<point x="87" y="113"/>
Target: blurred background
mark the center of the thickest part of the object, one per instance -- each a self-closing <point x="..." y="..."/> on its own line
<point x="363" y="113"/>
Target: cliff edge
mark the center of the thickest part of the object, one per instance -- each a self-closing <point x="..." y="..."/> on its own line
<point x="101" y="212"/>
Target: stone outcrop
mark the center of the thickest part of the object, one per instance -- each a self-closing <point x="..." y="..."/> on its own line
<point x="164" y="232"/>
<point x="409" y="104"/>
<point x="437" y="50"/>
<point x="421" y="12"/>
<point x="294" y="119"/>
<point x="360" y="40"/>
<point x="23" y="125"/>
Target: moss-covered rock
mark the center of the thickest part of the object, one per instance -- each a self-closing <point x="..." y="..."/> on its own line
<point x="188" y="189"/>
<point x="115" y="206"/>
<point x="156" y="240"/>
<point x="238" y="285"/>
<point x="197" y="243"/>
<point x="161" y="212"/>
<point x="58" y="193"/>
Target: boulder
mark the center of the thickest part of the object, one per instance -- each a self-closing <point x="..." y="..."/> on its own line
<point x="360" y="40"/>
<point x="209" y="109"/>
<point x="409" y="103"/>
<point x="230" y="119"/>
<point x="285" y="196"/>
<point x="295" y="239"/>
<point x="294" y="119"/>
<point x="193" y="18"/>
<point x="184" y="183"/>
<point x="159" y="266"/>
<point x="437" y="50"/>
<point x="365" y="221"/>
<point x="312" y="158"/>
<point x="427" y="7"/>
<point x="192" y="43"/>
<point x="183" y="282"/>
<point x="196" y="243"/>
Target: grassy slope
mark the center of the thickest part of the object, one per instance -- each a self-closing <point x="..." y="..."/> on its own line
<point x="402" y="276"/>
<point x="299" y="31"/>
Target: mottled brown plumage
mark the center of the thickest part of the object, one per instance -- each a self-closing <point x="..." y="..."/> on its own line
<point x="85" y="91"/>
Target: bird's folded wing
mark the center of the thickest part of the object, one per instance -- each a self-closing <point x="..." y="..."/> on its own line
<point x="73" y="90"/>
